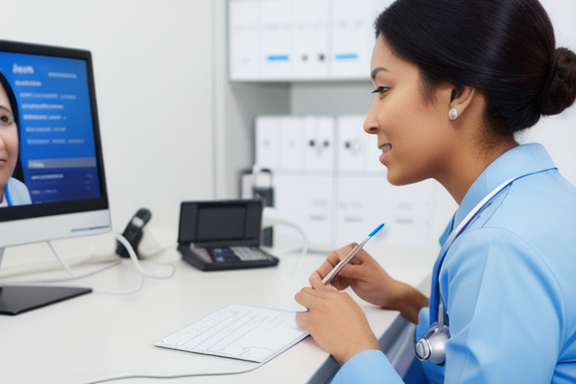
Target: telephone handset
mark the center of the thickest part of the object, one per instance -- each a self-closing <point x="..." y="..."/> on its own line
<point x="134" y="231"/>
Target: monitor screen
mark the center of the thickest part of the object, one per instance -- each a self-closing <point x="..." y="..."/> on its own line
<point x="52" y="182"/>
<point x="51" y="164"/>
<point x="221" y="223"/>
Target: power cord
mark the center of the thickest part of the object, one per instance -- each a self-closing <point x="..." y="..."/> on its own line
<point x="136" y="262"/>
<point x="139" y="268"/>
<point x="73" y="277"/>
<point x="60" y="260"/>
<point x="242" y="369"/>
<point x="271" y="217"/>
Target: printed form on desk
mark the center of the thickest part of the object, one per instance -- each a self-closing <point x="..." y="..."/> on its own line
<point x="241" y="332"/>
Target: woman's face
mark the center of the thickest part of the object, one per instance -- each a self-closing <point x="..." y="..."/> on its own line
<point x="8" y="140"/>
<point x="413" y="134"/>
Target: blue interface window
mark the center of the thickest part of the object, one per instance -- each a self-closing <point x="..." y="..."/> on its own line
<point x="56" y="138"/>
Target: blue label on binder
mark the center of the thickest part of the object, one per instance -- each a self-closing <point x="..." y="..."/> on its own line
<point x="278" y="57"/>
<point x="346" y="56"/>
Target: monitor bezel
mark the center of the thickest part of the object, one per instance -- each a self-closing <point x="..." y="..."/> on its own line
<point x="47" y="209"/>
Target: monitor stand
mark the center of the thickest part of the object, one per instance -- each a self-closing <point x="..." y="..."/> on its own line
<point x="15" y="299"/>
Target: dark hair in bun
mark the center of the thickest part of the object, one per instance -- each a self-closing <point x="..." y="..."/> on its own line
<point x="506" y="49"/>
<point x="559" y="89"/>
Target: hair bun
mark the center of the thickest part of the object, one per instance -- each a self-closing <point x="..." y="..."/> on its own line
<point x="559" y="90"/>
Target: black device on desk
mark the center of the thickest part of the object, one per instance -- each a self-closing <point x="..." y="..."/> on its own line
<point x="134" y="231"/>
<point x="223" y="234"/>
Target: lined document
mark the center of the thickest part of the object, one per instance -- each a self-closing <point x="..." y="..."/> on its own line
<point x="241" y="332"/>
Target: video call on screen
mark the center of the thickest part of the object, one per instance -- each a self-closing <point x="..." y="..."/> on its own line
<point x="57" y="149"/>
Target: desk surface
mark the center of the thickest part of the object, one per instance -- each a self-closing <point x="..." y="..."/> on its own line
<point x="99" y="335"/>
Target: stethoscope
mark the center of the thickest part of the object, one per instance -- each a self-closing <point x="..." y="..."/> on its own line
<point x="432" y="345"/>
<point x="7" y="197"/>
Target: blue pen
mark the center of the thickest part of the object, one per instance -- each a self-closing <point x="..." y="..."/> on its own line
<point x="328" y="278"/>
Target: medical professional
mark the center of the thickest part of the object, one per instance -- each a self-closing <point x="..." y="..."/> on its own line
<point x="12" y="191"/>
<point x="454" y="82"/>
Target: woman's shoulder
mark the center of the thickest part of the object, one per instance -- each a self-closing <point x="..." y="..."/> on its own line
<point x="18" y="191"/>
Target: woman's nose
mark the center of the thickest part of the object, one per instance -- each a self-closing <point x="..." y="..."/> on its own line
<point x="371" y="122"/>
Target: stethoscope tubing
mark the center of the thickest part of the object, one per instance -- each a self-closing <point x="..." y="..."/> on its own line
<point x="435" y="299"/>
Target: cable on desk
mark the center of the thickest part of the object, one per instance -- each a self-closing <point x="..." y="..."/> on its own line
<point x="61" y="261"/>
<point x="242" y="369"/>
<point x="304" y="245"/>
<point x="139" y="268"/>
<point x="66" y="267"/>
<point x="271" y="217"/>
<point x="136" y="262"/>
<point x="76" y="277"/>
<point x="133" y="257"/>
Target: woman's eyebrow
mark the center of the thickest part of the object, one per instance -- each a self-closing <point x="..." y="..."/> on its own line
<point x="376" y="70"/>
<point x="6" y="109"/>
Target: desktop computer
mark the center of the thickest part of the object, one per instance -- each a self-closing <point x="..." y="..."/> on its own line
<point x="52" y="181"/>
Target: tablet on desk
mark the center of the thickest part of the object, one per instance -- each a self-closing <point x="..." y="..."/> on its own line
<point x="223" y="234"/>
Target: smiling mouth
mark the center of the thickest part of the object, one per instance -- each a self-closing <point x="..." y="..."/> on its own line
<point x="386" y="147"/>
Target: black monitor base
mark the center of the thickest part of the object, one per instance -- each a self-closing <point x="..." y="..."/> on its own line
<point x="15" y="299"/>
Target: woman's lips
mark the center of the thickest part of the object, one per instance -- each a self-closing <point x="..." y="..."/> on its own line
<point x="385" y="149"/>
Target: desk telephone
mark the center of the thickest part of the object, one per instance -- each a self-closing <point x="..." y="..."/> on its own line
<point x="134" y="231"/>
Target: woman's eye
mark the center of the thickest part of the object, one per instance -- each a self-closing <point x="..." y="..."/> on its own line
<point x="381" y="90"/>
<point x="5" y="120"/>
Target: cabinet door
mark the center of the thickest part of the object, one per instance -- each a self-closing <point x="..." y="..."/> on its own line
<point x="243" y="35"/>
<point x="307" y="199"/>
<point x="319" y="139"/>
<point x="275" y="39"/>
<point x="365" y="201"/>
<point x="267" y="141"/>
<point x="291" y="143"/>
<point x="310" y="20"/>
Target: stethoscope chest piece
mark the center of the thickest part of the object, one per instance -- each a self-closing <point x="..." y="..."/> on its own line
<point x="432" y="345"/>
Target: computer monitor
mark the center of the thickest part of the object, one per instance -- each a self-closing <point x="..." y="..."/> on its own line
<point x="52" y="181"/>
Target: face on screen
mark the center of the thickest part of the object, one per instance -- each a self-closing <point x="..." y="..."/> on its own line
<point x="8" y="141"/>
<point x="54" y="140"/>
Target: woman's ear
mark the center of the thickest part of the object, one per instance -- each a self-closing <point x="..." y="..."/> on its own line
<point x="460" y="99"/>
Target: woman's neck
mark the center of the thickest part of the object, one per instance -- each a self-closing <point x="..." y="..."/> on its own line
<point x="470" y="165"/>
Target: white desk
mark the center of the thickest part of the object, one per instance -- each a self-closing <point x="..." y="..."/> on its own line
<point x="98" y="335"/>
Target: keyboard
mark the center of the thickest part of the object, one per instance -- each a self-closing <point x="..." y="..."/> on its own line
<point x="223" y="258"/>
<point x="239" y="331"/>
<point x="236" y="254"/>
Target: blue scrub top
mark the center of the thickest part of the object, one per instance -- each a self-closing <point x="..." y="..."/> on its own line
<point x="16" y="193"/>
<point x="508" y="283"/>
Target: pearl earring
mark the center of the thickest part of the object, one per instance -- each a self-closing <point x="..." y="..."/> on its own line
<point x="453" y="113"/>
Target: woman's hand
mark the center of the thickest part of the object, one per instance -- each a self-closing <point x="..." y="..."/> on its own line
<point x="371" y="283"/>
<point x="334" y="320"/>
<point x="366" y="277"/>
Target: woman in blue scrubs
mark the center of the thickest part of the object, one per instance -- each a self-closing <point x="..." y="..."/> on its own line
<point x="454" y="82"/>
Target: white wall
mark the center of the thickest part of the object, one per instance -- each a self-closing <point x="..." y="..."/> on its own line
<point x="237" y="105"/>
<point x="153" y="63"/>
<point x="173" y="127"/>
